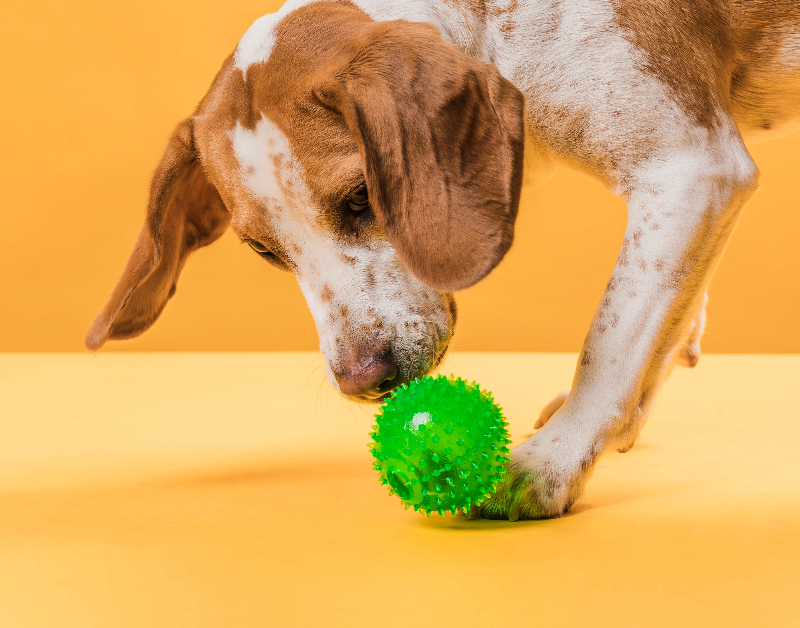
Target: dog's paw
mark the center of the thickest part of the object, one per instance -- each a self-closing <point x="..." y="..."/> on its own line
<point x="550" y="409"/>
<point x="688" y="354"/>
<point x="541" y="481"/>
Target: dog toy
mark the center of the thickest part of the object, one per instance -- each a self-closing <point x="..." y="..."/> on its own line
<point x="440" y="444"/>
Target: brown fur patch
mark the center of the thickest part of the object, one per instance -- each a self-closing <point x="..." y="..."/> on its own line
<point x="391" y="102"/>
<point x="716" y="56"/>
<point x="623" y="253"/>
<point x="503" y="16"/>
<point x="477" y="7"/>
<point x="184" y="213"/>
<point x="763" y="90"/>
<point x="688" y="47"/>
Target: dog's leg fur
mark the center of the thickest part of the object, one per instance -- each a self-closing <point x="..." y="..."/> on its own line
<point x="550" y="409"/>
<point x="682" y="209"/>
<point x="687" y="355"/>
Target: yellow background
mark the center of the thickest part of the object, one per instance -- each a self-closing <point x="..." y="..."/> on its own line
<point x="236" y="491"/>
<point x="91" y="92"/>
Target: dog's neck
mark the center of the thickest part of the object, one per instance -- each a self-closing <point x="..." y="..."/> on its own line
<point x="463" y="24"/>
<point x="476" y="30"/>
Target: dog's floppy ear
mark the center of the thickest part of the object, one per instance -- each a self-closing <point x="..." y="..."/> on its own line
<point x="441" y="136"/>
<point x="184" y="213"/>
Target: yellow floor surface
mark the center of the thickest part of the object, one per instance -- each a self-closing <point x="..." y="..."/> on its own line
<point x="236" y="491"/>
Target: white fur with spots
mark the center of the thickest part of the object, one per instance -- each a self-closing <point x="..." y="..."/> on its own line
<point x="360" y="295"/>
<point x="589" y="104"/>
<point x="256" y="44"/>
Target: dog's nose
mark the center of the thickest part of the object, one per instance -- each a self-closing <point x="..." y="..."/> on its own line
<point x="369" y="377"/>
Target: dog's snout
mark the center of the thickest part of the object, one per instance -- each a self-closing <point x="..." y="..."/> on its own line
<point x="368" y="377"/>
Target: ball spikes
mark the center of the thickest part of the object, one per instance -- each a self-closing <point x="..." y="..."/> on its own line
<point x="440" y="444"/>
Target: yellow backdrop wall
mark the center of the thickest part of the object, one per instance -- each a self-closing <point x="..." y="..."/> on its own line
<point x="93" y="90"/>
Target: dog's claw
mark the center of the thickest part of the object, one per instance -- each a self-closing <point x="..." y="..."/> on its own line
<point x="474" y="512"/>
<point x="537" y="483"/>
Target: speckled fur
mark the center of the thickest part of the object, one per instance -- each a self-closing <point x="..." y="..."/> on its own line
<point x="359" y="293"/>
<point x="653" y="98"/>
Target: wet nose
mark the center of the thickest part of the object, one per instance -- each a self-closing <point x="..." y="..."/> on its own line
<point x="368" y="377"/>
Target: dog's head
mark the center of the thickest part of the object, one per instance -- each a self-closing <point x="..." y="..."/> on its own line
<point x="379" y="164"/>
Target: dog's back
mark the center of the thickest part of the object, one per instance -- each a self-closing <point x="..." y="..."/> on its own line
<point x="746" y="50"/>
<point x="765" y="78"/>
<point x="375" y="149"/>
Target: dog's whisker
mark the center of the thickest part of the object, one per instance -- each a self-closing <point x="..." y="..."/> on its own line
<point x="316" y="401"/>
<point x="318" y="358"/>
<point x="361" y="407"/>
<point x="303" y="390"/>
<point x="327" y="393"/>
<point x="350" y="407"/>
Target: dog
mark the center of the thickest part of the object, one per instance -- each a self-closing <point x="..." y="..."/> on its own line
<point x="376" y="148"/>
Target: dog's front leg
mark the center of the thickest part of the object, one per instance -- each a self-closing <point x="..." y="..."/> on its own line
<point x="682" y="211"/>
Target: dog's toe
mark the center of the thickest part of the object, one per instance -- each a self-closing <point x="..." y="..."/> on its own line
<point x="688" y="355"/>
<point x="474" y="512"/>
<point x="528" y="491"/>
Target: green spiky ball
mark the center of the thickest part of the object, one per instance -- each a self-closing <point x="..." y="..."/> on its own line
<point x="440" y="444"/>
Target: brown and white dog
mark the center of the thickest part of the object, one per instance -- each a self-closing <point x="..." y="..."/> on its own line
<point x="375" y="149"/>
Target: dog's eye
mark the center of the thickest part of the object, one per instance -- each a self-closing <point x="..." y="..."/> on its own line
<point x="359" y="200"/>
<point x="268" y="255"/>
<point x="257" y="246"/>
